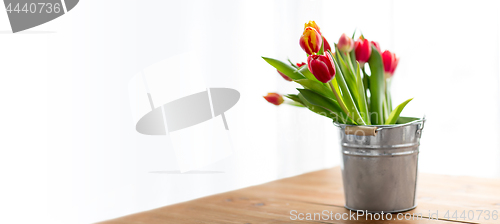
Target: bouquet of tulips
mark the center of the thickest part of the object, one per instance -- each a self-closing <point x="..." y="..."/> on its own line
<point x="335" y="82"/>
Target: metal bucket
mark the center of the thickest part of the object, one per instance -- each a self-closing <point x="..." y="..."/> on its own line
<point x="379" y="166"/>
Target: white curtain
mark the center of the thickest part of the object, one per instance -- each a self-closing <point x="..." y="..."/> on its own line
<point x="84" y="162"/>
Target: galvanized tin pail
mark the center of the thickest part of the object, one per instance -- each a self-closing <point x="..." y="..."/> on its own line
<point x="379" y="166"/>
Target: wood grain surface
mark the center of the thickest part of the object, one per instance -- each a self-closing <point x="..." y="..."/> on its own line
<point x="321" y="191"/>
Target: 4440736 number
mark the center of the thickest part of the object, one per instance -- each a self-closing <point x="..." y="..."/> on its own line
<point x="34" y="8"/>
<point x="472" y="215"/>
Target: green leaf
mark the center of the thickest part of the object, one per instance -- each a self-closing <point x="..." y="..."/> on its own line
<point x="316" y="109"/>
<point x="353" y="52"/>
<point x="291" y="63"/>
<point x="404" y="120"/>
<point x="347" y="97"/>
<point x="386" y="110"/>
<point x="295" y="104"/>
<point x="363" y="108"/>
<point x="349" y="77"/>
<point x="337" y="53"/>
<point x="322" y="48"/>
<point x="284" y="68"/>
<point x="336" y="88"/>
<point x="317" y="87"/>
<point x="377" y="88"/>
<point x="366" y="81"/>
<point x="304" y="70"/>
<point x="295" y="98"/>
<point x="353" y="56"/>
<point x="348" y="73"/>
<point x="393" y="117"/>
<point x="316" y="99"/>
<point x="388" y="96"/>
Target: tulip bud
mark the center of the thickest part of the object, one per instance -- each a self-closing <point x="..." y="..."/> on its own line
<point x="377" y="45"/>
<point x="274" y="98"/>
<point x="301" y="64"/>
<point x="390" y="63"/>
<point x="284" y="76"/>
<point x="326" y="46"/>
<point x="310" y="41"/>
<point x="363" y="51"/>
<point x="322" y="67"/>
<point x="313" y="25"/>
<point x="346" y="44"/>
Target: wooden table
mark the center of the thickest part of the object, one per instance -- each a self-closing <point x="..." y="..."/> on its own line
<point x="322" y="190"/>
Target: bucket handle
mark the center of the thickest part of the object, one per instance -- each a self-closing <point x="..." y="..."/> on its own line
<point x="372" y="130"/>
<point x="361" y="130"/>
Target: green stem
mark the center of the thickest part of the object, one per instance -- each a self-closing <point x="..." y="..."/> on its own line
<point x="340" y="101"/>
<point x="388" y="95"/>
<point x="366" y="81"/>
<point x="291" y="63"/>
<point x="362" y="102"/>
<point x="349" y="102"/>
<point x="385" y="109"/>
<point x="350" y="62"/>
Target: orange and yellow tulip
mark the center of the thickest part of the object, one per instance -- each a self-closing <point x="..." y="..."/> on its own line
<point x="310" y="41"/>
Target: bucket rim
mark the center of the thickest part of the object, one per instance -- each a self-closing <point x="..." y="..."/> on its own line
<point x="383" y="126"/>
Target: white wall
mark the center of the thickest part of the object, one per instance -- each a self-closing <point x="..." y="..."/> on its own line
<point x="70" y="153"/>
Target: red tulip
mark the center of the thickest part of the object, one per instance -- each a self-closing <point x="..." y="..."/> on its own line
<point x="284" y="76"/>
<point x="390" y="63"/>
<point x="346" y="44"/>
<point x="363" y="51"/>
<point x="326" y="46"/>
<point x="310" y="40"/>
<point x="377" y="45"/>
<point x="274" y="98"/>
<point x="301" y="64"/>
<point x="322" y="67"/>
